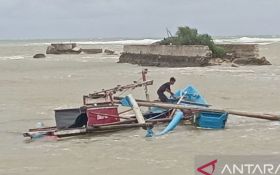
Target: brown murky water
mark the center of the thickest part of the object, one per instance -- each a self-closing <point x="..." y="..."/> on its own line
<point x="31" y="88"/>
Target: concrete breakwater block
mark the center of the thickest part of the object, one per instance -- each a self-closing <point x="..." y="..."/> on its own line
<point x="109" y="52"/>
<point x="251" y="61"/>
<point x="63" y="48"/>
<point x="92" y="51"/>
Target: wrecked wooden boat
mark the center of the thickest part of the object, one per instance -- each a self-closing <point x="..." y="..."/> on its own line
<point x="93" y="117"/>
<point x="100" y="113"/>
<point x="103" y="112"/>
<point x="96" y="118"/>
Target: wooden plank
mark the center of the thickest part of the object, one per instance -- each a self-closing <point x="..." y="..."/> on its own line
<point x="136" y="109"/>
<point x="99" y="129"/>
<point x="174" y="110"/>
<point x="117" y="127"/>
<point x="70" y="132"/>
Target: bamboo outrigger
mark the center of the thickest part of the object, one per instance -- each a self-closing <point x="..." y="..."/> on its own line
<point x="272" y="117"/>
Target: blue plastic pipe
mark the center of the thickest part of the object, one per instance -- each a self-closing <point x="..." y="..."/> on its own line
<point x="178" y="116"/>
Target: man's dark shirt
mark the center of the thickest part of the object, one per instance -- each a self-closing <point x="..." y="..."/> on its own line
<point x="163" y="88"/>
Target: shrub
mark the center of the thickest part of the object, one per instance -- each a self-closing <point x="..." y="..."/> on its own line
<point x="218" y="52"/>
<point x="189" y="36"/>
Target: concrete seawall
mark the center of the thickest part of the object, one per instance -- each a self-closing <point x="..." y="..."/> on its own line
<point x="242" y="50"/>
<point x="190" y="55"/>
<point x="166" y="55"/>
<point x="172" y="50"/>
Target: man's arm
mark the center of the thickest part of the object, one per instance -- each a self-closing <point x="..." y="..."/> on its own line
<point x="169" y="91"/>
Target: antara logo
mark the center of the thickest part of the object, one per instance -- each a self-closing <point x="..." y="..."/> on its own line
<point x="202" y="169"/>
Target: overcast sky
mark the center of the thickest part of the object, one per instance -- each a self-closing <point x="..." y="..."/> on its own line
<point x="26" y="19"/>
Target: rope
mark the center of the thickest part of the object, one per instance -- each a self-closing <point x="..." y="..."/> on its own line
<point x="158" y="115"/>
<point x="124" y="92"/>
<point x="128" y="88"/>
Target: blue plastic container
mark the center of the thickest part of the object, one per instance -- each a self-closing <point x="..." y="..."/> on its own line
<point x="212" y="120"/>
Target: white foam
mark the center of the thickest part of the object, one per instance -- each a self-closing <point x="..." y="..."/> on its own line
<point x="15" y="57"/>
<point x="275" y="124"/>
<point x="87" y="42"/>
<point x="120" y="42"/>
<point x="230" y="70"/>
<point x="248" y="40"/>
<point x="37" y="44"/>
<point x="211" y="69"/>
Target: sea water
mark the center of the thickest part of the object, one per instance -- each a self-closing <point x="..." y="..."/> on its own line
<point x="30" y="89"/>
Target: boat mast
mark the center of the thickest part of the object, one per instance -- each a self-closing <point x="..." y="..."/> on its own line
<point x="144" y="78"/>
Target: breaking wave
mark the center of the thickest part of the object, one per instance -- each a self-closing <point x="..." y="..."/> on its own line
<point x="219" y="40"/>
<point x="99" y="42"/>
<point x="121" y="42"/>
<point x="248" y="40"/>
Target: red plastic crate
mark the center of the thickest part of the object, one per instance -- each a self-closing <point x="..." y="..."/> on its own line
<point x="102" y="115"/>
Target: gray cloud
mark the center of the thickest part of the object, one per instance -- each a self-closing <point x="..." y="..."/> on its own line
<point x="135" y="18"/>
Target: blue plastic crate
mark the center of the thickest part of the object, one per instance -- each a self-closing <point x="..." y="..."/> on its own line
<point x="212" y="120"/>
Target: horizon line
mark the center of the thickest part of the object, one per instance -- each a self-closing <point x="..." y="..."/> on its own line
<point x="132" y="38"/>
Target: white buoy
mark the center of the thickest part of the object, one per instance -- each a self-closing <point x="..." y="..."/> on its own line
<point x="136" y="109"/>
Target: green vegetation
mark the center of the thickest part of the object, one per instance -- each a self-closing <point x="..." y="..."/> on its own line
<point x="189" y="36"/>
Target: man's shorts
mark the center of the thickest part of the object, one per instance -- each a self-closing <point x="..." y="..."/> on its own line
<point x="162" y="97"/>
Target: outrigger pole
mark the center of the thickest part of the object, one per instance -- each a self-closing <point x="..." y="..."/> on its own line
<point x="272" y="117"/>
<point x="105" y="93"/>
